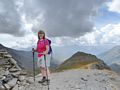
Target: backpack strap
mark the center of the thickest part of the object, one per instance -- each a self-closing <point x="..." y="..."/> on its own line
<point x="51" y="54"/>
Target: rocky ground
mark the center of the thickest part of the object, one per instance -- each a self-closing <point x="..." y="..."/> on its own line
<point x="80" y="79"/>
<point x="13" y="78"/>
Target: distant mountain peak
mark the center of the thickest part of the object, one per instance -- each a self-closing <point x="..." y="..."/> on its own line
<point x="2" y="47"/>
<point x="116" y="63"/>
<point x="82" y="55"/>
<point x="111" y="56"/>
<point x="80" y="59"/>
<point x="78" y="54"/>
<point x="118" y="46"/>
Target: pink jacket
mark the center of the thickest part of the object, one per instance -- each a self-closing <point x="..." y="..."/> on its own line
<point x="41" y="46"/>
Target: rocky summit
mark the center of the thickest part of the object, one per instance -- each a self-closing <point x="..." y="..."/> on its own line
<point x="83" y="60"/>
<point x="10" y="72"/>
<point x="88" y="77"/>
<point x="78" y="79"/>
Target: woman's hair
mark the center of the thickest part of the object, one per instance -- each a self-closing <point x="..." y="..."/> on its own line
<point x="41" y="32"/>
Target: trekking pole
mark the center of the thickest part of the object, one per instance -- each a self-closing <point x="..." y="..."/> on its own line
<point x="33" y="65"/>
<point x="46" y="71"/>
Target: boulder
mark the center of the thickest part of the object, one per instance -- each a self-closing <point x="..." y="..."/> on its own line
<point x="16" y="74"/>
<point x="14" y="70"/>
<point x="23" y="72"/>
<point x="7" y="56"/>
<point x="12" y="82"/>
<point x="2" y="87"/>
<point x="7" y="87"/>
<point x="21" y="78"/>
<point x="16" y="87"/>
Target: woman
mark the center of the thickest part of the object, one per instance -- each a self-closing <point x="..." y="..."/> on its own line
<point x="42" y="49"/>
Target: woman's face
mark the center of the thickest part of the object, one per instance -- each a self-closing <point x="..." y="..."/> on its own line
<point x="41" y="35"/>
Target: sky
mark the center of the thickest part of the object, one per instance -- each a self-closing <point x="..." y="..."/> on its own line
<point x="70" y="24"/>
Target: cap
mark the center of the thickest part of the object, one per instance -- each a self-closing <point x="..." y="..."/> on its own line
<point x="41" y="32"/>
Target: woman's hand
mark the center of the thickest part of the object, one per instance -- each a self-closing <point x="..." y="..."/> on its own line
<point x="44" y="53"/>
<point x="47" y="49"/>
<point x="33" y="50"/>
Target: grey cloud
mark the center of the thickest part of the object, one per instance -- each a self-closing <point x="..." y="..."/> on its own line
<point x="10" y="22"/>
<point x="57" y="17"/>
<point x="62" y="17"/>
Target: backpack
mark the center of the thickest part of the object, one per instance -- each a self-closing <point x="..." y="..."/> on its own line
<point x="50" y="48"/>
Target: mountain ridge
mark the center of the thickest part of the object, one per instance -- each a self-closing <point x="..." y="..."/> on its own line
<point x="80" y="59"/>
<point x="115" y="67"/>
<point x="112" y="58"/>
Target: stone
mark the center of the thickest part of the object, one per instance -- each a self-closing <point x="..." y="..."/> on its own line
<point x="2" y="72"/>
<point x="7" y="72"/>
<point x="21" y="88"/>
<point x="16" y="74"/>
<point x="7" y="78"/>
<point x="1" y="77"/>
<point x="30" y="80"/>
<point x="12" y="82"/>
<point x="2" y="87"/>
<point x="23" y="83"/>
<point x="12" y="61"/>
<point x="23" y="72"/>
<point x="16" y="87"/>
<point x="14" y="70"/>
<point x="8" y="66"/>
<point x="7" y="86"/>
<point x="8" y="56"/>
<point x="15" y="63"/>
<point x="21" y="78"/>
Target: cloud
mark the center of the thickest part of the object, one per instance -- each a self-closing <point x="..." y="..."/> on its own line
<point x="107" y="35"/>
<point x="28" y="41"/>
<point x="111" y="34"/>
<point x="62" y="17"/>
<point x="114" y="6"/>
<point x="65" y="21"/>
<point x="56" y="17"/>
<point x="10" y="21"/>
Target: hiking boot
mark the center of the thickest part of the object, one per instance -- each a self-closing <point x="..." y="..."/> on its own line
<point x="48" y="81"/>
<point x="43" y="80"/>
